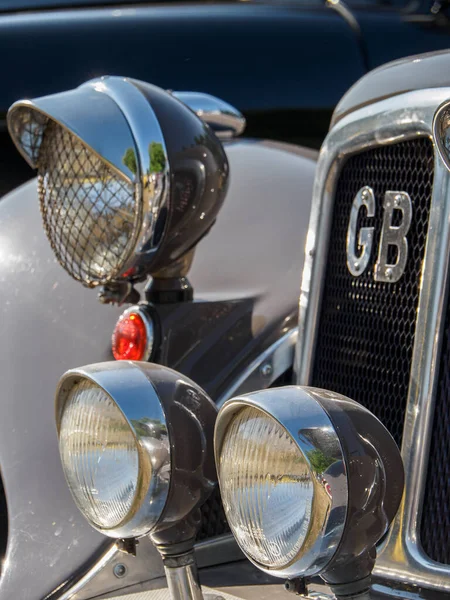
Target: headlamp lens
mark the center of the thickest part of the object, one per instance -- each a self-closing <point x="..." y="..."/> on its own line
<point x="266" y="488"/>
<point x="90" y="213"/>
<point x="99" y="455"/>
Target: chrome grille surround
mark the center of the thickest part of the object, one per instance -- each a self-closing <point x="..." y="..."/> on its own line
<point x="403" y="117"/>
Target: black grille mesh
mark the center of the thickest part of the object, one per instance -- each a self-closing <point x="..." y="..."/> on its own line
<point x="214" y="521"/>
<point x="366" y="329"/>
<point x="90" y="213"/>
<point x="435" y="529"/>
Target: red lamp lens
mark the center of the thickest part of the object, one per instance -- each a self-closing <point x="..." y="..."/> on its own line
<point x="129" y="339"/>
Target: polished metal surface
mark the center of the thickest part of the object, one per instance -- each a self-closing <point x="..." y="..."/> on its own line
<point x="127" y="384"/>
<point x="358" y="264"/>
<point x="441" y="131"/>
<point x="393" y="236"/>
<point x="224" y="119"/>
<point x="395" y="119"/>
<point x="265" y="369"/>
<point x="182" y="578"/>
<point x="300" y="414"/>
<point x="148" y="323"/>
<point x="153" y="187"/>
<point x="390" y="235"/>
<point x="78" y="111"/>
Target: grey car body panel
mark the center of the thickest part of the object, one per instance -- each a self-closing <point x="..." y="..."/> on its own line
<point x="49" y="323"/>
<point x="422" y="71"/>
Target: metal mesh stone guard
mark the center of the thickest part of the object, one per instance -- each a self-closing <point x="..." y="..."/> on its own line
<point x="366" y="328"/>
<point x="90" y="213"/>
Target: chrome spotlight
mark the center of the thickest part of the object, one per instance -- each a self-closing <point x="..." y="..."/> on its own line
<point x="310" y="481"/>
<point x="136" y="447"/>
<point x="129" y="178"/>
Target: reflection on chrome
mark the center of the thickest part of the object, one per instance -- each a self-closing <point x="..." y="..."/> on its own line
<point x="282" y="479"/>
<point x="89" y="213"/>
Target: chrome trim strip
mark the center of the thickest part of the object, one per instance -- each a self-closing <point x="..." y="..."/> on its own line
<point x="265" y="369"/>
<point x="144" y="569"/>
<point x="393" y="120"/>
<point x="88" y="576"/>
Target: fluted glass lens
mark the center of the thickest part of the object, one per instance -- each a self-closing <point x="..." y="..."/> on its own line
<point x="99" y="455"/>
<point x="266" y="488"/>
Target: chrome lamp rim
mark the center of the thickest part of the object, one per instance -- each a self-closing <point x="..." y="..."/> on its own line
<point x="135" y="400"/>
<point x="292" y="407"/>
<point x="437" y="130"/>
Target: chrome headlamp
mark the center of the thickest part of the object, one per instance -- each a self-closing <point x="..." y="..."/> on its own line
<point x="129" y="178"/>
<point x="310" y="481"/>
<point x="136" y="446"/>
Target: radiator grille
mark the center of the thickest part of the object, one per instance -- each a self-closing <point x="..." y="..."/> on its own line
<point x="435" y="530"/>
<point x="366" y="328"/>
<point x="214" y="521"/>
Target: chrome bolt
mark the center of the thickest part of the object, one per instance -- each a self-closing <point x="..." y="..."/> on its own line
<point x="388" y="273"/>
<point x="266" y="370"/>
<point x="120" y="570"/>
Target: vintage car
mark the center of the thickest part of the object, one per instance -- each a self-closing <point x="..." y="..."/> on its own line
<point x="283" y="63"/>
<point x="150" y="198"/>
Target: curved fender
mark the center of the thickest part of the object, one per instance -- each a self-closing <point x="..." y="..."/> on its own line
<point x="49" y="323"/>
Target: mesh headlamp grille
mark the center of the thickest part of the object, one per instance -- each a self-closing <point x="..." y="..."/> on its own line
<point x="91" y="215"/>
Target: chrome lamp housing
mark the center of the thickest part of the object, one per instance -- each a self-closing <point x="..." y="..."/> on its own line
<point x="135" y="441"/>
<point x="129" y="178"/>
<point x="310" y="481"/>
